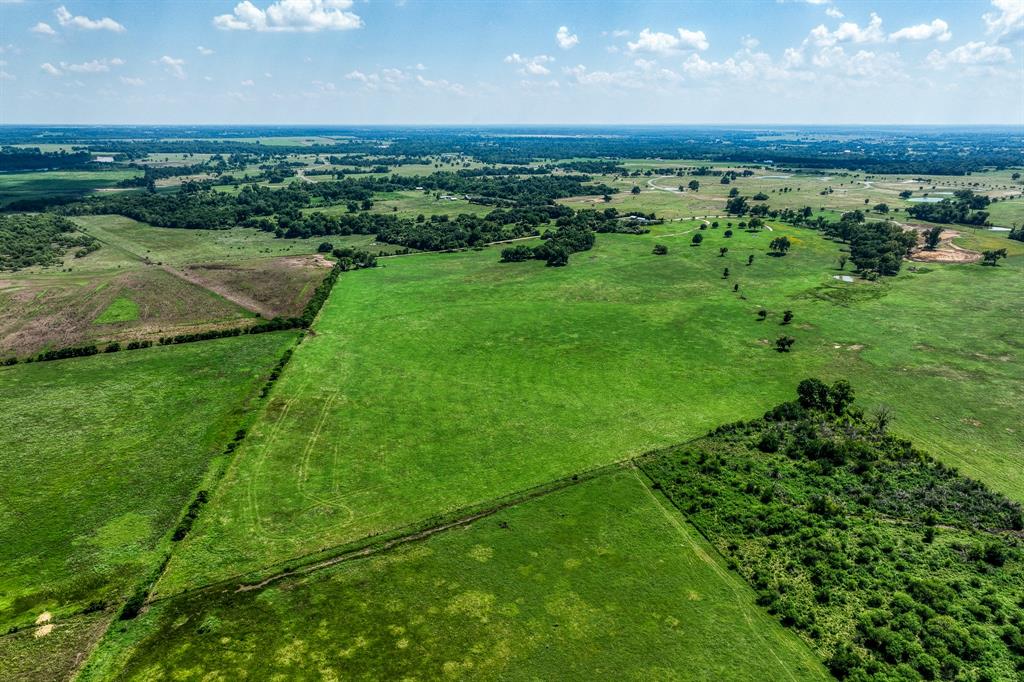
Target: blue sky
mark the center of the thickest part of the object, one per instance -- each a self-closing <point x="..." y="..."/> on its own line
<point x="419" y="61"/>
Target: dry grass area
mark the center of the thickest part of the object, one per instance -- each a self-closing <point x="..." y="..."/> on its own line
<point x="272" y="286"/>
<point x="58" y="309"/>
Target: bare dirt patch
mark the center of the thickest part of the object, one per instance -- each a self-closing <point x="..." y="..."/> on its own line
<point x="945" y="252"/>
<point x="43" y="631"/>
<point x="269" y="286"/>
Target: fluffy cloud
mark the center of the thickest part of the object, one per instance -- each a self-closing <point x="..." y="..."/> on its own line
<point x="834" y="13"/>
<point x="44" y="29"/>
<point x="384" y="79"/>
<point x="1008" y="21"/>
<point x="975" y="53"/>
<point x="66" y="18"/>
<point x="247" y="83"/>
<point x="566" y="40"/>
<point x="175" y="67"/>
<point x="291" y="15"/>
<point x="134" y="82"/>
<point x="533" y="66"/>
<point x="441" y="85"/>
<point x="938" y="29"/>
<point x="205" y="51"/>
<point x="848" y="32"/>
<point x="668" y="44"/>
<point x="92" y="66"/>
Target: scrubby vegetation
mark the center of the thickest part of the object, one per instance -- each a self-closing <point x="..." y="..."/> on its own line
<point x="29" y="239"/>
<point x="965" y="208"/>
<point x="890" y="564"/>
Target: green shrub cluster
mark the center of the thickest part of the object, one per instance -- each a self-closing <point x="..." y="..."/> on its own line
<point x="890" y="564"/>
<point x="27" y="240"/>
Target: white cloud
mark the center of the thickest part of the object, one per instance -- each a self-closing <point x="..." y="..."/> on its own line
<point x="442" y="85"/>
<point x="92" y="66"/>
<point x="66" y="18"/>
<point x="43" y="29"/>
<point x="666" y="43"/>
<point x="533" y="66"/>
<point x="291" y="15"/>
<point x="834" y="12"/>
<point x="582" y="76"/>
<point x="51" y="69"/>
<point x="1008" y="22"/>
<point x="324" y="87"/>
<point x="205" y="51"/>
<point x="247" y="83"/>
<point x="975" y="53"/>
<point x="749" y="42"/>
<point x="134" y="82"/>
<point x="4" y="76"/>
<point x="566" y="40"/>
<point x="938" y="30"/>
<point x="848" y="32"/>
<point x="175" y="67"/>
<point x="384" y="79"/>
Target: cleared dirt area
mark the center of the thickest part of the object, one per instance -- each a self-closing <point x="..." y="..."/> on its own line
<point x="60" y="309"/>
<point x="268" y="286"/>
<point x="945" y="252"/>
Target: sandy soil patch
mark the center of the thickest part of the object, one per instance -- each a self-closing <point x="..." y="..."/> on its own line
<point x="945" y="252"/>
<point x="44" y="617"/>
<point x="44" y="630"/>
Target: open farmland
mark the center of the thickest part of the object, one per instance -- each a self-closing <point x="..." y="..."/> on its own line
<point x="48" y="184"/>
<point x="416" y="400"/>
<point x="601" y="578"/>
<point x="73" y="537"/>
<point x="543" y="403"/>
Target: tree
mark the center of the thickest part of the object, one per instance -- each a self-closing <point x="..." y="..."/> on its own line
<point x="722" y="251"/>
<point x="736" y="287"/>
<point x="762" y="314"/>
<point x="727" y="234"/>
<point x="787" y="317"/>
<point x="783" y="343"/>
<point x="725" y="273"/>
<point x="906" y="194"/>
<point x="660" y="249"/>
<point x="325" y="247"/>
<point x="558" y="256"/>
<point x="697" y="239"/>
<point x="780" y="246"/>
<point x="932" y="237"/>
<point x="881" y="208"/>
<point x="992" y="257"/>
<point x="750" y="259"/>
<point x="606" y="198"/>
<point x="694" y="185"/>
<point x="516" y="254"/>
<point x="725" y="180"/>
<point x="842" y="262"/>
<point x="635" y="190"/>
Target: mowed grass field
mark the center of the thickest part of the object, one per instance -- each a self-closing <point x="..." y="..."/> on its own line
<point x="442" y="381"/>
<point x="98" y="457"/>
<point x="42" y="184"/>
<point x="599" y="580"/>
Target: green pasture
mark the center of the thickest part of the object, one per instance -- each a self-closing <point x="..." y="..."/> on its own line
<point x="601" y="580"/>
<point x="41" y="184"/>
<point x="98" y="456"/>
<point x="441" y="381"/>
<point x="121" y="309"/>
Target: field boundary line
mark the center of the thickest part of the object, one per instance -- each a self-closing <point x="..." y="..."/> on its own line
<point x="373" y="544"/>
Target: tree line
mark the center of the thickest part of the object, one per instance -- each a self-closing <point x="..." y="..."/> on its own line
<point x="889" y="564"/>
